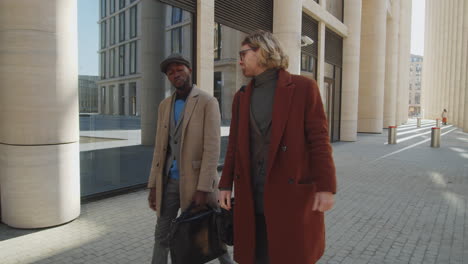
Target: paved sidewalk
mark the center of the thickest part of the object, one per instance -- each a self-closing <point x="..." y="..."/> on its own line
<point x="403" y="203"/>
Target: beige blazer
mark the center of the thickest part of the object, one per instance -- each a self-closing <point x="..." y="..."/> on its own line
<point x="199" y="147"/>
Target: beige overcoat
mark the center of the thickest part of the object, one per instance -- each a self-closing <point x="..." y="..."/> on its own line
<point x="200" y="148"/>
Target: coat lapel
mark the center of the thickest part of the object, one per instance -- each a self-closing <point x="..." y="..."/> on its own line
<point x="190" y="104"/>
<point x="281" y="104"/>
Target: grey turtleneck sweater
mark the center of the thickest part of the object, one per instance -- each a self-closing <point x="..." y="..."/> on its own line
<point x="263" y="93"/>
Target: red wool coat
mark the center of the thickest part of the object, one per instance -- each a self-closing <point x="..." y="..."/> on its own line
<point x="300" y="163"/>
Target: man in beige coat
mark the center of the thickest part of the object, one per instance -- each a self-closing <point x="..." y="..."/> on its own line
<point x="185" y="160"/>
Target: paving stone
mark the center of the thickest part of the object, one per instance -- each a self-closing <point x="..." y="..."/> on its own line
<point x="407" y="207"/>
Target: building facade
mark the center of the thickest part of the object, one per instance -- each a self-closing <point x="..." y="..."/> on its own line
<point x="88" y="93"/>
<point x="359" y="58"/>
<point x="416" y="64"/>
<point x="119" y="56"/>
<point x="445" y="81"/>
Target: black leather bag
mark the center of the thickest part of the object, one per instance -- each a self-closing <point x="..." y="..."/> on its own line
<point x="225" y="223"/>
<point x="194" y="236"/>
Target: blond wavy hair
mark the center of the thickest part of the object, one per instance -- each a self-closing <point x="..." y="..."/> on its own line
<point x="271" y="51"/>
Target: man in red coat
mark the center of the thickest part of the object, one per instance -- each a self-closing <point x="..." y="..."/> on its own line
<point x="279" y="160"/>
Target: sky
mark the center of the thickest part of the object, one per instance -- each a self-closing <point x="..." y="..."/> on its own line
<point x="417" y="27"/>
<point x="88" y="37"/>
<point x="88" y="34"/>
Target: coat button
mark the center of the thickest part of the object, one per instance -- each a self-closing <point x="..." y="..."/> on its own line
<point x="290" y="180"/>
<point x="284" y="148"/>
<point x="237" y="176"/>
<point x="157" y="165"/>
<point x="175" y="142"/>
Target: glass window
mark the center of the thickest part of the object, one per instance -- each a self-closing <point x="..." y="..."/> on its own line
<point x="122" y="26"/>
<point x="111" y="99"/>
<point x="218" y="86"/>
<point x="335" y="7"/>
<point x="103" y="100"/>
<point x="116" y="143"/>
<point x="133" y="57"/>
<point x="176" y="15"/>
<point x="133" y="21"/>
<point x="103" y="65"/>
<point x="417" y="98"/>
<point x="121" y="99"/>
<point x="132" y="98"/>
<point x="103" y="8"/>
<point x="217" y="41"/>
<point x="112" y="30"/>
<point x="103" y="34"/>
<point x="112" y="63"/>
<point x="227" y="77"/>
<point x="112" y="6"/>
<point x="122" y="60"/>
<point x="307" y="63"/>
<point x="176" y="39"/>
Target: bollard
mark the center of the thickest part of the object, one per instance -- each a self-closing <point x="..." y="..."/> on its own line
<point x="419" y="122"/>
<point x="392" y="134"/>
<point x="435" y="137"/>
<point x="437" y="122"/>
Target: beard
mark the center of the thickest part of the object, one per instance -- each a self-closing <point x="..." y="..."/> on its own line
<point x="184" y="83"/>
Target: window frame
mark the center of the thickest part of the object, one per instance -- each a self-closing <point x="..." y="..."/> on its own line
<point x="174" y="32"/>
<point x="112" y="31"/>
<point x="133" y="21"/>
<point x="176" y="15"/>
<point x="103" y="34"/>
<point x="133" y="57"/>
<point x="122" y="60"/>
<point x="103" y="65"/>
<point x="122" y="36"/>
<point x="103" y="8"/>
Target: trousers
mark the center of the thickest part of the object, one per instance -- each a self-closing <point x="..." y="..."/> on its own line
<point x="170" y="209"/>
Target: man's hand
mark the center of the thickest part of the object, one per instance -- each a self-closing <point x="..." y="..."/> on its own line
<point x="200" y="198"/>
<point x="225" y="199"/>
<point x="324" y="201"/>
<point x="152" y="199"/>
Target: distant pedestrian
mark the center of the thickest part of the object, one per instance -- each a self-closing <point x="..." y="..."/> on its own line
<point x="279" y="161"/>
<point x="186" y="153"/>
<point x="444" y="117"/>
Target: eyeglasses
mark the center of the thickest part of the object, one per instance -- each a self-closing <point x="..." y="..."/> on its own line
<point x="243" y="52"/>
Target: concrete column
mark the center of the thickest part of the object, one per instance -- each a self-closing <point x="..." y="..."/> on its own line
<point x="321" y="53"/>
<point x="457" y="61"/>
<point x="39" y="133"/>
<point x="453" y="115"/>
<point x="465" y="63"/>
<point x="429" y="65"/>
<point x="287" y="25"/>
<point x="372" y="66"/>
<point x="426" y="89"/>
<point x="404" y="61"/>
<point x="321" y="58"/>
<point x="391" y="66"/>
<point x="205" y="45"/>
<point x="463" y="106"/>
<point x="153" y="88"/>
<point x="445" y="58"/>
<point x="351" y="56"/>
<point x="439" y="59"/>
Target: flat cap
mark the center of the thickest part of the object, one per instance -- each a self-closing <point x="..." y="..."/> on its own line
<point x="174" y="58"/>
